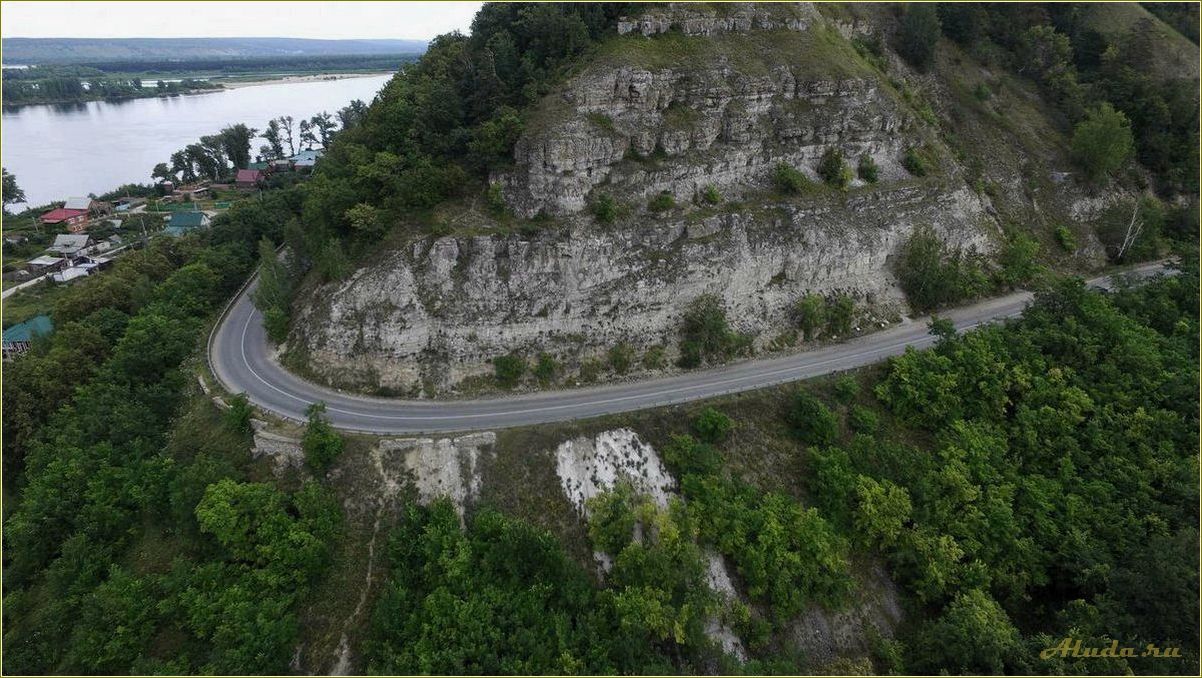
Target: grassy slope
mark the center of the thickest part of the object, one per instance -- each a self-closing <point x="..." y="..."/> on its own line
<point x="1175" y="56"/>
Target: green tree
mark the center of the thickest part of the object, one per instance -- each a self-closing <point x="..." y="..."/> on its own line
<point x="12" y="193"/>
<point x="973" y="635"/>
<point x="705" y="334"/>
<point x="712" y="425"/>
<point x="812" y="420"/>
<point x="918" y="35"/>
<point x="811" y="315"/>
<point x="508" y="370"/>
<point x="321" y="443"/>
<point x="882" y="511"/>
<point x="833" y="168"/>
<point x="238" y="416"/>
<point x="1102" y="142"/>
<point x="273" y="296"/>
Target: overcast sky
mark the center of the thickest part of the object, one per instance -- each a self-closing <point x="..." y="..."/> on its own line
<point x="290" y="19"/>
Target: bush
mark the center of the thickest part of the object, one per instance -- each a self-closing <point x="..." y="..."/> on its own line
<point x="918" y="35"/>
<point x="862" y="420"/>
<point x="508" y="370"/>
<point x="237" y="417"/>
<point x="840" y="314"/>
<point x="605" y="209"/>
<point x="931" y="275"/>
<point x="811" y="315"/>
<point x="321" y="442"/>
<point x="712" y="425"/>
<point x="847" y="388"/>
<point x="1017" y="260"/>
<point x="833" y="169"/>
<point x="916" y="162"/>
<point x="867" y="169"/>
<point x="982" y="92"/>
<point x="790" y="180"/>
<point x="1102" y="142"/>
<point x="813" y="422"/>
<point x="1065" y="238"/>
<point x="705" y="334"/>
<point x="275" y="321"/>
<point x="710" y="195"/>
<point x="546" y="369"/>
<point x="653" y="359"/>
<point x="662" y="202"/>
<point x="621" y="356"/>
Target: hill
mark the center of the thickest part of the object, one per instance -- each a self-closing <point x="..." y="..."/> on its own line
<point x="30" y="51"/>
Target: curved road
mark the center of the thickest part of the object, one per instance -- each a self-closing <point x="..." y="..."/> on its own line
<point x="242" y="361"/>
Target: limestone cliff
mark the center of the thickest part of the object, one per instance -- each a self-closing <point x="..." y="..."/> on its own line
<point x="683" y="100"/>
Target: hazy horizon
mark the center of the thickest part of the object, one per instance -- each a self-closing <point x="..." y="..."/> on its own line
<point x="227" y="19"/>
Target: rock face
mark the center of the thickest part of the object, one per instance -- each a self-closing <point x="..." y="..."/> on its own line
<point x="437" y="313"/>
<point x="708" y="100"/>
<point x="720" y="119"/>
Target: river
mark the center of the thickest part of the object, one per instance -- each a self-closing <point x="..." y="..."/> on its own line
<point x="66" y="150"/>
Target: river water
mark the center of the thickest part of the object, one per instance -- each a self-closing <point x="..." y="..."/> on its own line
<point x="61" y="151"/>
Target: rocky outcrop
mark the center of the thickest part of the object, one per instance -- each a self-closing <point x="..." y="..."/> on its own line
<point x="715" y="98"/>
<point x="715" y="19"/>
<point x="436" y="313"/>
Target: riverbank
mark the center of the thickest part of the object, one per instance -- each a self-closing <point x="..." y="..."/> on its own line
<point x="292" y="79"/>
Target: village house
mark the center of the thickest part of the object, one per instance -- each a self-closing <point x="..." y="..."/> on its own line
<point x="181" y="223"/>
<point x="248" y="178"/>
<point x="74" y="220"/>
<point x="89" y="205"/>
<point x="306" y="159"/>
<point x="45" y="264"/>
<point x="19" y="337"/>
<point x="71" y="246"/>
<point x="70" y="274"/>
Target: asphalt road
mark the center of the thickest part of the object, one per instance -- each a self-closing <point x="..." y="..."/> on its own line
<point x="241" y="359"/>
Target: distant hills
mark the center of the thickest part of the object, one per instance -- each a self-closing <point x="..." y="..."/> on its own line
<point x="30" y="51"/>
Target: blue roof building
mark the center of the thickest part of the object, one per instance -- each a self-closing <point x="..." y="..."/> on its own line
<point x="19" y="337"/>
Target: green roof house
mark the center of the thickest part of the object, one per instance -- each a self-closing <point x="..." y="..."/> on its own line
<point x="186" y="222"/>
<point x="19" y="337"/>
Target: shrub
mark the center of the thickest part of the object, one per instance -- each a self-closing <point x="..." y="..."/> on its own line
<point x="590" y="371"/>
<point x="662" y="202"/>
<point x="653" y="359"/>
<point x="621" y="356"/>
<point x="275" y="321"/>
<point x="867" y="169"/>
<point x="811" y="315"/>
<point x="1017" y="260"/>
<point x="712" y="425"/>
<point x="705" y="334"/>
<point x="1065" y="238"/>
<point x="790" y="180"/>
<point x="916" y="162"/>
<point x="546" y="368"/>
<point x="605" y="209"/>
<point x="813" y="422"/>
<point x="918" y="35"/>
<point x="508" y="369"/>
<point x="496" y="200"/>
<point x="862" y="420"/>
<point x="237" y="417"/>
<point x="840" y="313"/>
<point x="982" y="92"/>
<point x="321" y="443"/>
<point x="833" y="169"/>
<point x="931" y="275"/>
<point x="846" y="389"/>
<point x="710" y="195"/>
<point x="1102" y="142"/>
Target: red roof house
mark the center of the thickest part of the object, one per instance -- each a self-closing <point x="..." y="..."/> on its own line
<point x="248" y="178"/>
<point x="74" y="219"/>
